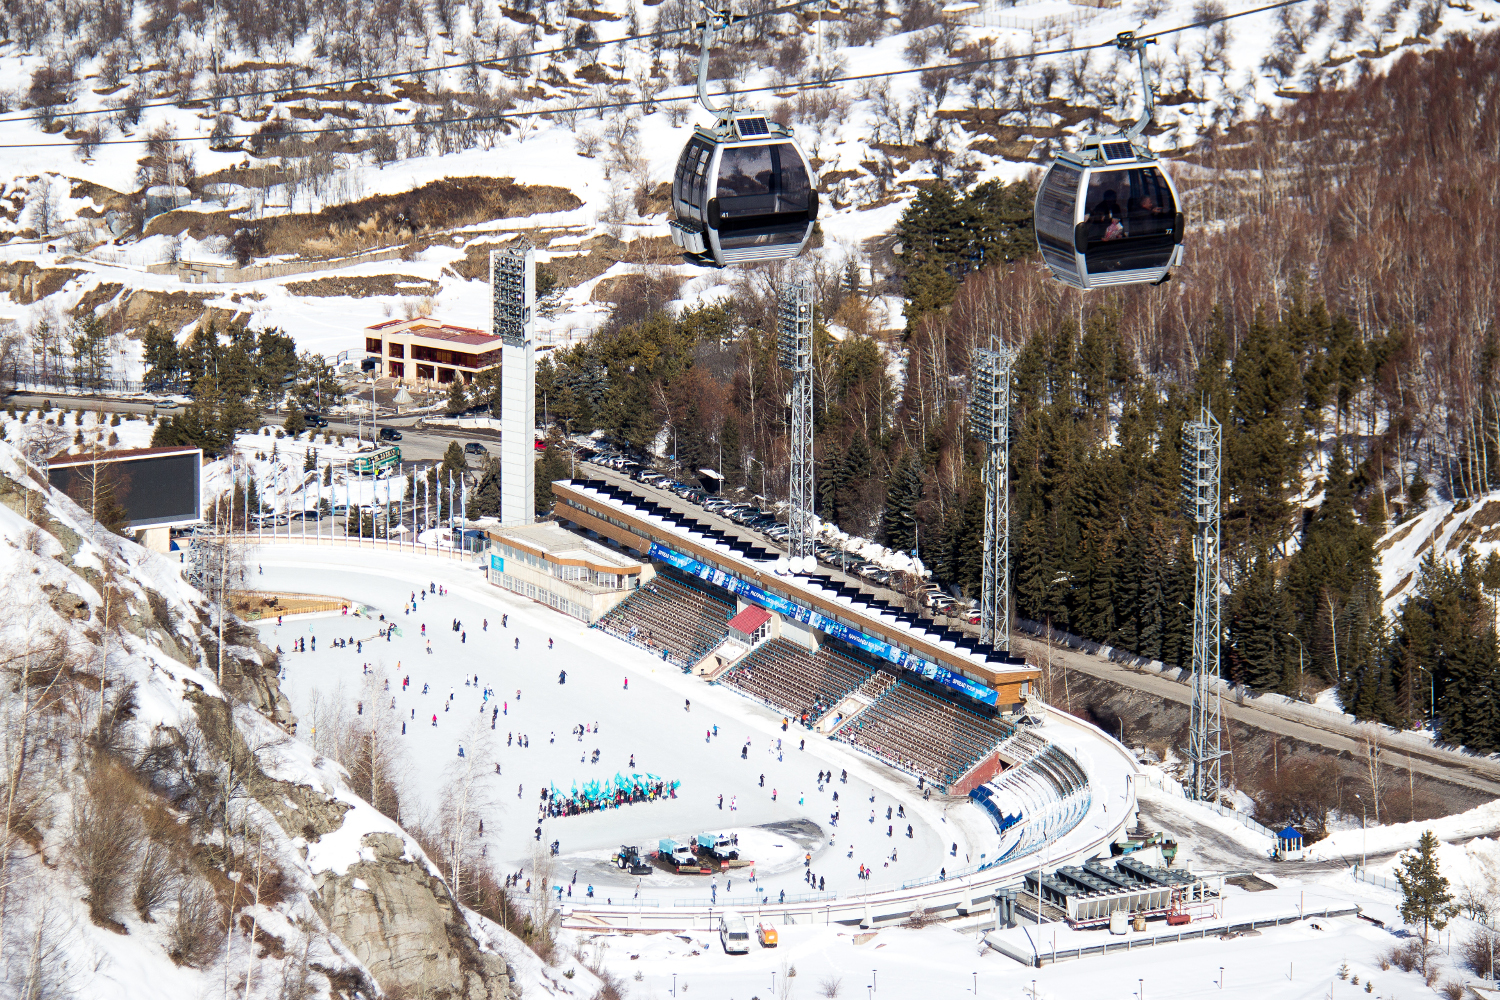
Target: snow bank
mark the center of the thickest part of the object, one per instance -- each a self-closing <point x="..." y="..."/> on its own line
<point x="1479" y="821"/>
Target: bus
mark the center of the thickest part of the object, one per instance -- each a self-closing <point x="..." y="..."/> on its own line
<point x="370" y="462"/>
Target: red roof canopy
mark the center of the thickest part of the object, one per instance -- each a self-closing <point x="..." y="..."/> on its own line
<point x="749" y="620"/>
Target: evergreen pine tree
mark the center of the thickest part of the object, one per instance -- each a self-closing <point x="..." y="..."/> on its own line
<point x="458" y="398"/>
<point x="484" y="501"/>
<point x="903" y="493"/>
<point x="830" y="480"/>
<point x="454" y="463"/>
<point x="551" y="466"/>
<point x="294" y="423"/>
<point x="1334" y="566"/>
<point x="1258" y="622"/>
<point x="1262" y="443"/>
<point x="1424" y="890"/>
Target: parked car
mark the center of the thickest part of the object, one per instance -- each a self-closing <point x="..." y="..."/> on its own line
<point x="314" y="420"/>
<point x="389" y="434"/>
<point x="475" y="448"/>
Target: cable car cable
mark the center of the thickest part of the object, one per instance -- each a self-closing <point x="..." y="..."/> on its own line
<point x="484" y="63"/>
<point x="616" y="105"/>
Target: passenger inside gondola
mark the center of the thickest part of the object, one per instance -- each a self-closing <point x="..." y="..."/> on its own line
<point x="1144" y="212"/>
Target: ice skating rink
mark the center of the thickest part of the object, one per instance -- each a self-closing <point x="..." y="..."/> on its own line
<point x="647" y="720"/>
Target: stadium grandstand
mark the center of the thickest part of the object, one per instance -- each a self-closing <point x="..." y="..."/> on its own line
<point x="833" y="657"/>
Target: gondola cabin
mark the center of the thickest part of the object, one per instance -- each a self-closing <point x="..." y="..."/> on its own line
<point x="743" y="192"/>
<point x="1109" y="215"/>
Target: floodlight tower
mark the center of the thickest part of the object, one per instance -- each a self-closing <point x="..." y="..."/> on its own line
<point x="794" y="353"/>
<point x="989" y="421"/>
<point x="513" y="284"/>
<point x="1202" y="456"/>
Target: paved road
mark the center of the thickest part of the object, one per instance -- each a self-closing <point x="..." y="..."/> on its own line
<point x="1479" y="773"/>
<point x="425" y="445"/>
<point x="105" y="403"/>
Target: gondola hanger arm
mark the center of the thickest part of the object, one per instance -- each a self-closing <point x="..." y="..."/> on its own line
<point x="1126" y="41"/>
<point x="715" y="19"/>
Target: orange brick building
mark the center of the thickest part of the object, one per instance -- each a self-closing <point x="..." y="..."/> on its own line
<point x="426" y="352"/>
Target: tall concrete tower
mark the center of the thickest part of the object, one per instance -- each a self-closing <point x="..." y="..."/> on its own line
<point x="513" y="282"/>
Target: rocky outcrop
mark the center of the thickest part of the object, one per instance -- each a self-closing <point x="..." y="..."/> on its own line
<point x="26" y="282"/>
<point x="401" y="922"/>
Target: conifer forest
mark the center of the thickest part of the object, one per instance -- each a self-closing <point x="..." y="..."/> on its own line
<point x="1338" y="315"/>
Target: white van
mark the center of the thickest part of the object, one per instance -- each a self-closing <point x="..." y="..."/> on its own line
<point x="734" y="934"/>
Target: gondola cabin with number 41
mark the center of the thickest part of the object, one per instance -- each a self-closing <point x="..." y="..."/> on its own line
<point x="743" y="190"/>
<point x="1109" y="214"/>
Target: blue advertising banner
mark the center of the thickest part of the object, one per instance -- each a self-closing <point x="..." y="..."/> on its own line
<point x="497" y="563"/>
<point x="798" y="613"/>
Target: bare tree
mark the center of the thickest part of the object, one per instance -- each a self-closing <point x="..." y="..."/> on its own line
<point x="33" y="672"/>
<point x="41" y="206"/>
<point x="106" y="837"/>
<point x="1374" y="753"/>
<point x="372" y="746"/>
<point x="466" y="799"/>
<point x="37" y="963"/>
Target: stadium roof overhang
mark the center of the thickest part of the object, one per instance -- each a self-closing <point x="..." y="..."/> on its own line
<point x="747" y="569"/>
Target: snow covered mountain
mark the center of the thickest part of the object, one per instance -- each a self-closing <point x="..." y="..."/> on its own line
<point x="226" y="117"/>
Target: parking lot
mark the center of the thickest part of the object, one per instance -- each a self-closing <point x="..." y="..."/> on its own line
<point x="748" y="514"/>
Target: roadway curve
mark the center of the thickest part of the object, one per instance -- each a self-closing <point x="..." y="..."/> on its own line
<point x="1308" y="724"/>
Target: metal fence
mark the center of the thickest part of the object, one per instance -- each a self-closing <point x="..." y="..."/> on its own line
<point x="31" y="380"/>
<point x="1173" y="788"/>
<point x="1385" y="883"/>
<point x="1041" y="958"/>
<point x="752" y="902"/>
<point x="990" y="14"/>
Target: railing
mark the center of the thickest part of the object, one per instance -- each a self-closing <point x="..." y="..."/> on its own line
<point x="256" y="614"/>
<point x="35" y="381"/>
<point x="750" y="902"/>
<point x="385" y="544"/>
<point x="1039" y="958"/>
<point x="987" y="15"/>
<point x="200" y="273"/>
<point x="1380" y="880"/>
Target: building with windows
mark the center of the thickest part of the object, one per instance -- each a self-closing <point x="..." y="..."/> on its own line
<point x="562" y="570"/>
<point x="428" y="352"/>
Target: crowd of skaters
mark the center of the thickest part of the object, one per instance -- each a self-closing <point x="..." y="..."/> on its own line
<point x="489" y="700"/>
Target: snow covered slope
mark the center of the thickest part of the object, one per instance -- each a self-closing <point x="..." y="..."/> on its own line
<point x="1445" y="531"/>
<point x="875" y="141"/>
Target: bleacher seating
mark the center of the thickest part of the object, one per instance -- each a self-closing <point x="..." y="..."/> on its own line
<point x="796" y="681"/>
<point x="1040" y="798"/>
<point x="913" y="728"/>
<point x="671" y="614"/>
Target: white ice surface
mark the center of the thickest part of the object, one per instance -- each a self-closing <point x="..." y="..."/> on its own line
<point x="648" y="721"/>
